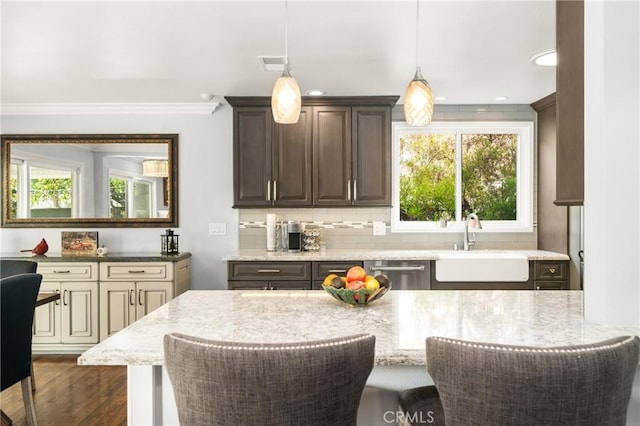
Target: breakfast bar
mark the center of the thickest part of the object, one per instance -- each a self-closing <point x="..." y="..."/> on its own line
<point x="401" y="321"/>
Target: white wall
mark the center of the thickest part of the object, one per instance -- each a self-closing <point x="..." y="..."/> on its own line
<point x="612" y="158"/>
<point x="205" y="186"/>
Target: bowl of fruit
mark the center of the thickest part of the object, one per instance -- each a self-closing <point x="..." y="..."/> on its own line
<point x="356" y="288"/>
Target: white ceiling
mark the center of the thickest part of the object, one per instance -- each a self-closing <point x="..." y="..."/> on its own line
<point x="172" y="51"/>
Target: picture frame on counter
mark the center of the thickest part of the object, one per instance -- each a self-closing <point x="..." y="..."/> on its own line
<point x="81" y="243"/>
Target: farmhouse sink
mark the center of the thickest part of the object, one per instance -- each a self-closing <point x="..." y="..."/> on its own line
<point x="478" y="266"/>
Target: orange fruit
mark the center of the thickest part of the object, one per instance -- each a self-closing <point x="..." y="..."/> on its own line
<point x="356" y="273"/>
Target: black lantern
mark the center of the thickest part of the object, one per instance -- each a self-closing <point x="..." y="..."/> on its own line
<point x="169" y="242"/>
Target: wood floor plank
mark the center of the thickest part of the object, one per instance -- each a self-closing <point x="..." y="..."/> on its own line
<point x="68" y="394"/>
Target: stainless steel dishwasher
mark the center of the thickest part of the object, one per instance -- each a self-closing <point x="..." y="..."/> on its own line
<point x="404" y="274"/>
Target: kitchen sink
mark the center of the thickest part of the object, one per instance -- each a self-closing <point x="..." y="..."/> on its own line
<point x="481" y="266"/>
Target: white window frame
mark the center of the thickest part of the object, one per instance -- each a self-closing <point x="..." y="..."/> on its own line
<point x="26" y="161"/>
<point x="130" y="178"/>
<point x="524" y="165"/>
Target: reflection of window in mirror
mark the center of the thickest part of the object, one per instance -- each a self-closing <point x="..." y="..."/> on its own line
<point x="131" y="196"/>
<point x="42" y="190"/>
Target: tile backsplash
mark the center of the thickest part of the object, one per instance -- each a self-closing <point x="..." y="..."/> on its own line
<point x="352" y="228"/>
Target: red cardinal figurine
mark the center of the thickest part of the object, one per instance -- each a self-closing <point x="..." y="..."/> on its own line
<point x="41" y="248"/>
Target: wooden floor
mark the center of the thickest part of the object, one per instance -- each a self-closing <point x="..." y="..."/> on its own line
<point x="68" y="394"/>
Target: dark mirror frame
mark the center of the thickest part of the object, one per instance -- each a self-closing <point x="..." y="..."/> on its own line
<point x="172" y="181"/>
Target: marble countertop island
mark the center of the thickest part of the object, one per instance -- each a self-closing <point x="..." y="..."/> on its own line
<point x="401" y="321"/>
<point x="362" y="254"/>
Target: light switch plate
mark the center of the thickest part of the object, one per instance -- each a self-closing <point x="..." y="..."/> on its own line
<point x="218" y="228"/>
<point x="379" y="228"/>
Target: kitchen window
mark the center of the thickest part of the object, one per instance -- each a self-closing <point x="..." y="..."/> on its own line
<point x="130" y="197"/>
<point x="447" y="170"/>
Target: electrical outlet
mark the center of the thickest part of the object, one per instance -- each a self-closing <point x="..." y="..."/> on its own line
<point x="379" y="228"/>
<point x="218" y="228"/>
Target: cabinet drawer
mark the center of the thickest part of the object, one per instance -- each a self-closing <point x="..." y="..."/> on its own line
<point x="136" y="271"/>
<point x="322" y="269"/>
<point x="549" y="270"/>
<point x="551" y="285"/>
<point x="76" y="271"/>
<point x="269" y="271"/>
<point x="269" y="285"/>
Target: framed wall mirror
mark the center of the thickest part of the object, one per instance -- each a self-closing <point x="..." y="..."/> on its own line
<point x="77" y="181"/>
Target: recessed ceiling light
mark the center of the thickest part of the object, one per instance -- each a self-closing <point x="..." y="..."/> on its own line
<point x="314" y="92"/>
<point x="545" y="58"/>
<point x="501" y="98"/>
<point x="441" y="98"/>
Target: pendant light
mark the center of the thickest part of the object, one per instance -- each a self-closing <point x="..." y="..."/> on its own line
<point x="285" y="98"/>
<point x="418" y="99"/>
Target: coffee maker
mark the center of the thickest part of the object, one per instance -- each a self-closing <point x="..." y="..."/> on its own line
<point x="295" y="236"/>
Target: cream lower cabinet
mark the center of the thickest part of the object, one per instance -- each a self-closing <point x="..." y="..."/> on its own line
<point x="130" y="290"/>
<point x="71" y="323"/>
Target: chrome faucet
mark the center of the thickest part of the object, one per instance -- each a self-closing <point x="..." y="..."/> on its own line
<point x="467" y="243"/>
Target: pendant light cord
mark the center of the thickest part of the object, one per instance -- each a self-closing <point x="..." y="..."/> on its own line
<point x="417" y="33"/>
<point x="286" y="35"/>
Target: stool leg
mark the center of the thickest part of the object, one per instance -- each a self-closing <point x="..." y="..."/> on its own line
<point x="27" y="396"/>
<point x="33" y="379"/>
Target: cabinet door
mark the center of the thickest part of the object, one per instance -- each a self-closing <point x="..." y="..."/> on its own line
<point x="79" y="312"/>
<point x="46" y="319"/>
<point x="117" y="307"/>
<point x="570" y="103"/>
<point x="292" y="162"/>
<point x="252" y="138"/>
<point x="151" y="295"/>
<point x="183" y="277"/>
<point x="332" y="153"/>
<point x="371" y="156"/>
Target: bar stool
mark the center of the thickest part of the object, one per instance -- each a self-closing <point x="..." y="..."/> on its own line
<point x="483" y="383"/>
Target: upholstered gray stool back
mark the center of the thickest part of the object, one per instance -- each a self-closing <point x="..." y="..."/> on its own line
<point x="225" y="383"/>
<point x="486" y="384"/>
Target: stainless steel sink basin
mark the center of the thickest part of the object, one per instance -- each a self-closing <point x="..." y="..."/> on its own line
<point x="480" y="266"/>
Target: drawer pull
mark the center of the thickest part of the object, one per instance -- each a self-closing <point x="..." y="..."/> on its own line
<point x="337" y="271"/>
<point x="552" y="270"/>
<point x="138" y="271"/>
<point x="268" y="271"/>
<point x="61" y="272"/>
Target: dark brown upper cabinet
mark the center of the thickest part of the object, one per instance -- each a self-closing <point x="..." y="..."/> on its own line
<point x="338" y="154"/>
<point x="272" y="163"/>
<point x="570" y="102"/>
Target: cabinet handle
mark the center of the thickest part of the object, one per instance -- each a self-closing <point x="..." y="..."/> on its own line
<point x="140" y="297"/>
<point x="57" y="301"/>
<point x="268" y="271"/>
<point x="64" y="298"/>
<point x="132" y="297"/>
<point x="537" y="287"/>
<point x="355" y="189"/>
<point x="349" y="190"/>
<point x="337" y="271"/>
<point x="275" y="196"/>
<point x="61" y="272"/>
<point x="552" y="270"/>
<point x="138" y="271"/>
<point x="268" y="190"/>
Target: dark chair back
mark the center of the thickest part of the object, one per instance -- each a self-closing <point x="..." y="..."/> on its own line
<point x="311" y="383"/>
<point x="482" y="383"/>
<point x="18" y="295"/>
<point x="10" y="267"/>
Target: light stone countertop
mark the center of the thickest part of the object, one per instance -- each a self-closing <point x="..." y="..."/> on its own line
<point x="362" y="254"/>
<point x="400" y="320"/>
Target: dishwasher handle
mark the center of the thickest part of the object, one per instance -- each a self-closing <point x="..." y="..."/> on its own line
<point x="396" y="268"/>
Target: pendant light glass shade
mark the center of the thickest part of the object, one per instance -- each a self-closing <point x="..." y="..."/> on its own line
<point x="418" y="101"/>
<point x="285" y="99"/>
<point x="155" y="168"/>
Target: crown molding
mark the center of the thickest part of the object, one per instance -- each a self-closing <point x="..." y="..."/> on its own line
<point x="108" y="108"/>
